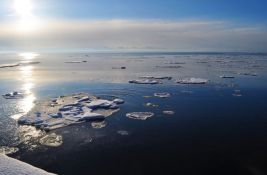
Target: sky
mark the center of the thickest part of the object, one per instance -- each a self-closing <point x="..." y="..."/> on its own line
<point x="134" y="25"/>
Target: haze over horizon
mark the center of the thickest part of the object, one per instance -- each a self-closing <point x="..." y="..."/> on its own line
<point x="117" y="25"/>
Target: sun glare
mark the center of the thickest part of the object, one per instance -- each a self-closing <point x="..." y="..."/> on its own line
<point x="23" y="8"/>
<point x="28" y="22"/>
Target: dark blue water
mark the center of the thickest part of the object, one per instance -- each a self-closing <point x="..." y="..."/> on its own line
<point x="212" y="132"/>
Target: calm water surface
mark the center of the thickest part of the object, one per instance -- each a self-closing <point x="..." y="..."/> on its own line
<point x="212" y="131"/>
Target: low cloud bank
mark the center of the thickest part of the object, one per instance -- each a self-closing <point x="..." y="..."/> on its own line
<point x="136" y="35"/>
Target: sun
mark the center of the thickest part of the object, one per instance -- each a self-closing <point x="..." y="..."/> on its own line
<point x="23" y="8"/>
<point x="27" y="21"/>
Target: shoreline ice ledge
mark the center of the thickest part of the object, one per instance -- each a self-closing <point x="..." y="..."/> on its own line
<point x="10" y="166"/>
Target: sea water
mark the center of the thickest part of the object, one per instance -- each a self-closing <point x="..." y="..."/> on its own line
<point x="217" y="128"/>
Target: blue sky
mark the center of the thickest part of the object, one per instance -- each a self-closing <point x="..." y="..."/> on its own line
<point x="227" y="21"/>
<point x="243" y="10"/>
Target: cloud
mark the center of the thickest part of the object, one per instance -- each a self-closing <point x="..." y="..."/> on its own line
<point x="137" y="35"/>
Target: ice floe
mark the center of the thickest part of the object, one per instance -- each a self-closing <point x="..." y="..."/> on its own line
<point x="237" y="93"/>
<point x="175" y="63"/>
<point x="68" y="110"/>
<point x="157" y="77"/>
<point x="162" y="94"/>
<point x="13" y="95"/>
<point x="29" y="62"/>
<point x="123" y="67"/>
<point x="9" y="65"/>
<point x="123" y="133"/>
<point x="248" y="74"/>
<point x="140" y="115"/>
<point x="99" y="125"/>
<point x="8" y="150"/>
<point x="151" y="105"/>
<point x="170" y="67"/>
<point x="168" y="112"/>
<point x="145" y="81"/>
<point x="52" y="140"/>
<point x="192" y="81"/>
<point x="73" y="62"/>
<point x="227" y="76"/>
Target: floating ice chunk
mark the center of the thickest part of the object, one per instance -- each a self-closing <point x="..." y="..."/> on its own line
<point x="75" y="62"/>
<point x="118" y="101"/>
<point x="52" y="140"/>
<point x="192" y="81"/>
<point x="100" y="104"/>
<point x="123" y="133"/>
<point x="151" y="105"/>
<point x="99" y="125"/>
<point x="202" y="62"/>
<point x="145" y="81"/>
<point x="68" y="112"/>
<point x="140" y="115"/>
<point x="123" y="67"/>
<point x="147" y="96"/>
<point x="249" y="74"/>
<point x="162" y="95"/>
<point x="227" y="76"/>
<point x="170" y="67"/>
<point x="175" y="63"/>
<point x="9" y="65"/>
<point x="30" y="62"/>
<point x="90" y="116"/>
<point x="168" y="112"/>
<point x="237" y="93"/>
<point x="157" y="78"/>
<point x="8" y="150"/>
<point x="13" y="95"/>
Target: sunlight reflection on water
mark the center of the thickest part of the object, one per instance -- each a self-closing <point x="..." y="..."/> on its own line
<point x="28" y="83"/>
<point x="27" y="133"/>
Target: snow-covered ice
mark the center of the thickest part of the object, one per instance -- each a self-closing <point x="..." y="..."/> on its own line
<point x="123" y="133"/>
<point x="73" y="62"/>
<point x="192" y="81"/>
<point x="168" y="112"/>
<point x="157" y="77"/>
<point x="8" y="150"/>
<point x="9" y="65"/>
<point x="52" y="140"/>
<point x="99" y="125"/>
<point x="227" y="76"/>
<point x="162" y="95"/>
<point x="67" y="110"/>
<point x="13" y="95"/>
<point x="145" y="81"/>
<point x="140" y="115"/>
<point x="10" y="166"/>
